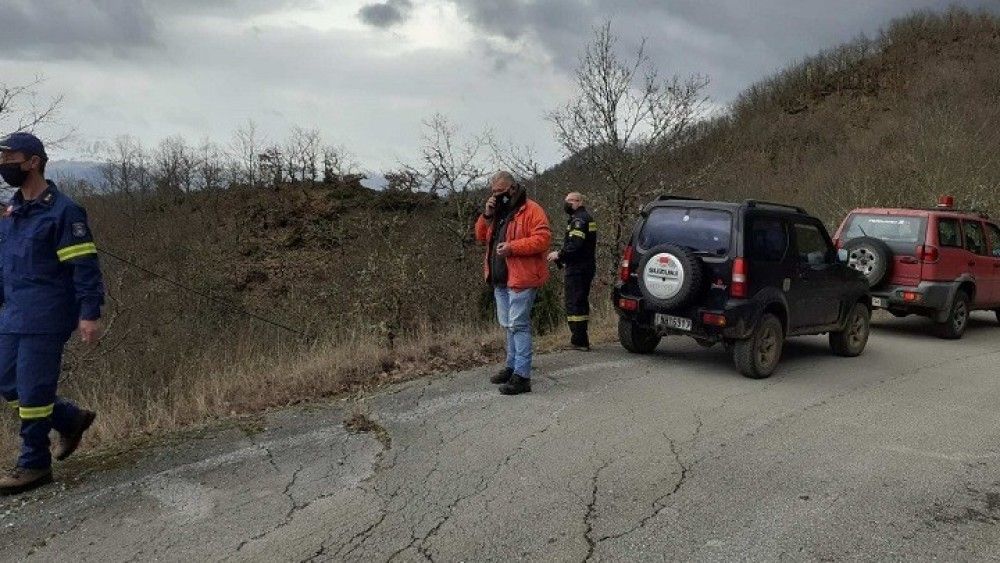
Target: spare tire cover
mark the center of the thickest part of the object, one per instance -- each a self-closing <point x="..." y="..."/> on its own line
<point x="670" y="276"/>
<point x="664" y="275"/>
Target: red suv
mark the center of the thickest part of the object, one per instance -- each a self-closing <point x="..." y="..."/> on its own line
<point x="941" y="263"/>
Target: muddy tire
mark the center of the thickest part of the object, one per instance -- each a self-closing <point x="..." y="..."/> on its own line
<point x="852" y="340"/>
<point x="757" y="357"/>
<point x="871" y="257"/>
<point x="637" y="339"/>
<point x="958" y="318"/>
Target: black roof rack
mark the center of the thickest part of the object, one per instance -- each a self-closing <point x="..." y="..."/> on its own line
<point x="755" y="202"/>
<point x="666" y="197"/>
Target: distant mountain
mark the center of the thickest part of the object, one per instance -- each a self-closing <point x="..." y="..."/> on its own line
<point x="75" y="170"/>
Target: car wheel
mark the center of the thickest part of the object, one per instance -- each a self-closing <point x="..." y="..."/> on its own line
<point x="958" y="318"/>
<point x="758" y="356"/>
<point x="851" y="341"/>
<point x="637" y="339"/>
<point x="871" y="257"/>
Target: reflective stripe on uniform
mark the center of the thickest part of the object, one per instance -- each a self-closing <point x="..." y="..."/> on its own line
<point x="577" y="318"/>
<point x="577" y="233"/>
<point x="31" y="413"/>
<point x="13" y="404"/>
<point x="592" y="226"/>
<point x="76" y="251"/>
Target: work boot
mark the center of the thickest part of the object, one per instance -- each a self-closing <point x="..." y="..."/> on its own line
<point x="503" y="376"/>
<point x="68" y="443"/>
<point x="516" y="385"/>
<point x="21" y="480"/>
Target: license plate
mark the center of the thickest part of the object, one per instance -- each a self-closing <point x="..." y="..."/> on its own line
<point x="880" y="302"/>
<point x="670" y="321"/>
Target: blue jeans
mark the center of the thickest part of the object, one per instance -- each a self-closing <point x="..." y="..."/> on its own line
<point x="29" y="374"/>
<point x="514" y="314"/>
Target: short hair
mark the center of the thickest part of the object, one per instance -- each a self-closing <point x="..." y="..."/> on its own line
<point x="575" y="195"/>
<point x="503" y="175"/>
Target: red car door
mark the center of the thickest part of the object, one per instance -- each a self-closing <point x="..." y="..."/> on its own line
<point x="993" y="233"/>
<point x="953" y="261"/>
<point x="980" y="263"/>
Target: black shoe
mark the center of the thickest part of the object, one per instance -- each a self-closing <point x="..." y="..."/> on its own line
<point x="68" y="443"/>
<point x="503" y="376"/>
<point x="516" y="385"/>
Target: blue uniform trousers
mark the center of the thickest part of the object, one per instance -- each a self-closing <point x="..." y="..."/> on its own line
<point x="29" y="372"/>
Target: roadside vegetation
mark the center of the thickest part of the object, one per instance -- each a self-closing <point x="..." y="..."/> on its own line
<point x="379" y="286"/>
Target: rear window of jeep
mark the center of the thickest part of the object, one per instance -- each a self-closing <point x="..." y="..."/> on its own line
<point x="890" y="228"/>
<point x="701" y="230"/>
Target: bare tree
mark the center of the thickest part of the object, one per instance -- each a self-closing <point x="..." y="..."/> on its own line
<point x="623" y="116"/>
<point x="22" y="108"/>
<point x="338" y="165"/>
<point x="520" y="160"/>
<point x="125" y="167"/>
<point x="245" y="149"/>
<point x="453" y="167"/>
<point x="211" y="164"/>
<point x="271" y="166"/>
<point x="173" y="165"/>
<point x="302" y="154"/>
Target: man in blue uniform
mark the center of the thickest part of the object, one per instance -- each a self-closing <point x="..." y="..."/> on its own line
<point x="51" y="286"/>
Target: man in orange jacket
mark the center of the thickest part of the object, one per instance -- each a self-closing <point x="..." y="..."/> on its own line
<point x="516" y="232"/>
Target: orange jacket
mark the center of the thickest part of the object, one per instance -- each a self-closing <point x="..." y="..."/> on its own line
<point x="528" y="237"/>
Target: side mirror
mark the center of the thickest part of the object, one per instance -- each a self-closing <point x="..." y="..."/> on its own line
<point x="842" y="256"/>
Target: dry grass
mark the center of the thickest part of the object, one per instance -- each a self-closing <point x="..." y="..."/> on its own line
<point x="266" y="379"/>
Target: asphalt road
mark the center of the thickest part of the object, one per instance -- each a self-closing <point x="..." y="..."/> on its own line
<point x="894" y="455"/>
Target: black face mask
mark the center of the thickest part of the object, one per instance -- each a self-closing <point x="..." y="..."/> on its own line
<point x="569" y="208"/>
<point x="12" y="174"/>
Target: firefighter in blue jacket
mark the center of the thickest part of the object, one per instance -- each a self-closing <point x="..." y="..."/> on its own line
<point x="51" y="286"/>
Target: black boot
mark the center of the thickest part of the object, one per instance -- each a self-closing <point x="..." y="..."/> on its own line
<point x="516" y="385"/>
<point x="579" y="339"/>
<point x="68" y="443"/>
<point x="503" y="376"/>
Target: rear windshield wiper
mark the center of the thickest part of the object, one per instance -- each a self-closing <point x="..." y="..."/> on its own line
<point x="719" y="252"/>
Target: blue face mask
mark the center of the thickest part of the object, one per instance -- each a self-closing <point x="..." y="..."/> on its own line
<point x="12" y="174"/>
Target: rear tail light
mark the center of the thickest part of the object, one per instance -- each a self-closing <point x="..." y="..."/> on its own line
<point x="625" y="269"/>
<point x="712" y="319"/>
<point x="628" y="304"/>
<point x="738" y="287"/>
<point x="928" y="253"/>
<point x="946" y="201"/>
<point x="911" y="296"/>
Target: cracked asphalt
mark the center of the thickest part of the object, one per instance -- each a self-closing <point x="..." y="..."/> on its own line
<point x="894" y="455"/>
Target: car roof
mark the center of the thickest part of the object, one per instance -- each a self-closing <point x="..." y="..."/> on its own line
<point x="908" y="212"/>
<point x="685" y="202"/>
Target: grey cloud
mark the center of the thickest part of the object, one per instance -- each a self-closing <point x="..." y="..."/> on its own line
<point x="35" y="29"/>
<point x="385" y="14"/>
<point x="735" y="42"/>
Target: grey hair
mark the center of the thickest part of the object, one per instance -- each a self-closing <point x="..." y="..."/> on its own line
<point x="503" y="175"/>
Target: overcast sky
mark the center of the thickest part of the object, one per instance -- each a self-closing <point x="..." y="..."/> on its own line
<point x="367" y="72"/>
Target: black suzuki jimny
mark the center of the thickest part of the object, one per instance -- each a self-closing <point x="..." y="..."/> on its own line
<point x="746" y="274"/>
